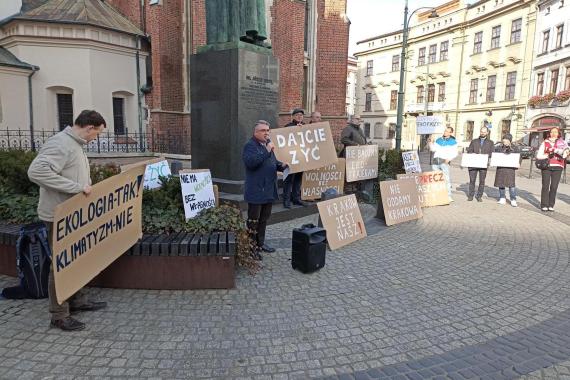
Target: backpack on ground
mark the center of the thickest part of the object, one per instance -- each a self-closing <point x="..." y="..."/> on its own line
<point x="33" y="259"/>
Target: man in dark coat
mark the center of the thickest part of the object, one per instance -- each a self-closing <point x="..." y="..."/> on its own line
<point x="292" y="184"/>
<point x="480" y="145"/>
<point x="261" y="168"/>
<point x="352" y="135"/>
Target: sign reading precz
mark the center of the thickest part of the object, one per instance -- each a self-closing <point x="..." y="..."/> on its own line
<point x="342" y="219"/>
<point x="197" y="191"/>
<point x="304" y="147"/>
<point x="90" y="232"/>
<point x="361" y="162"/>
<point x="316" y="181"/>
<point x="432" y="188"/>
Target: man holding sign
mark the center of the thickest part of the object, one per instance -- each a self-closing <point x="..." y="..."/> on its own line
<point x="292" y="183"/>
<point x="481" y="145"/>
<point x="444" y="150"/>
<point x="261" y="168"/>
<point x="61" y="169"/>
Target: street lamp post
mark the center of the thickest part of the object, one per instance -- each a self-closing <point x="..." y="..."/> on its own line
<point x="400" y="110"/>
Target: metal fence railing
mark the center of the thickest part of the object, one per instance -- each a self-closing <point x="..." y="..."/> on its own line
<point x="107" y="142"/>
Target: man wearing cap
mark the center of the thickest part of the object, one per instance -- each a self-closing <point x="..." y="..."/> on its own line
<point x="292" y="184"/>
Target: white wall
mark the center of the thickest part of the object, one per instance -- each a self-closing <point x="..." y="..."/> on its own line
<point x="14" y="99"/>
<point x="91" y="74"/>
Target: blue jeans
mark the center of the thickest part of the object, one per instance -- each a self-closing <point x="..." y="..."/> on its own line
<point x="443" y="167"/>
<point x="512" y="193"/>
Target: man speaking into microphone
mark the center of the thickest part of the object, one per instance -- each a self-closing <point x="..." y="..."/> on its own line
<point x="261" y="167"/>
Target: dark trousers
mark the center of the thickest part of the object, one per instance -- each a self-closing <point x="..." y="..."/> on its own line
<point x="473" y="179"/>
<point x="257" y="217"/>
<point x="550" y="181"/>
<point x="292" y="187"/>
<point x="56" y="310"/>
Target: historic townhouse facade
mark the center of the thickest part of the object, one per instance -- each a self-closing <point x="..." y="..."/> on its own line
<point x="470" y="65"/>
<point x="549" y="104"/>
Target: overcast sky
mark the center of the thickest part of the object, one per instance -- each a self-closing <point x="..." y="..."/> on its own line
<point x="371" y="18"/>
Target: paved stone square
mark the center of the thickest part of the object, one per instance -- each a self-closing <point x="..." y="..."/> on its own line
<point x="472" y="290"/>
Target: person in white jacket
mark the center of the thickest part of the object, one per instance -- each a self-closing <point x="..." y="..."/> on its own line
<point x="444" y="150"/>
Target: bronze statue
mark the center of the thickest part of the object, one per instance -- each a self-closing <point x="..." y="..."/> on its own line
<point x="235" y="20"/>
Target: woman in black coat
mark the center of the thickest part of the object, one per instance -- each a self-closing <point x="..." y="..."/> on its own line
<point x="505" y="177"/>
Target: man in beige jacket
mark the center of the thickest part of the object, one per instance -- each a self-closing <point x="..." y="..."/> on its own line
<point x="61" y="170"/>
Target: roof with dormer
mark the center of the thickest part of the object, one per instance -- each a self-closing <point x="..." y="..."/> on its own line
<point x="83" y="12"/>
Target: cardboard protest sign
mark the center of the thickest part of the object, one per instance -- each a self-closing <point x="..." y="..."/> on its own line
<point x="91" y="231"/>
<point x="304" y="147"/>
<point x="361" y="162"/>
<point x="412" y="162"/>
<point x="197" y="191"/>
<point x="400" y="201"/>
<point x="342" y="219"/>
<point x="316" y="181"/>
<point x="474" y="160"/>
<point x="432" y="188"/>
<point x="511" y="160"/>
<point x="429" y="125"/>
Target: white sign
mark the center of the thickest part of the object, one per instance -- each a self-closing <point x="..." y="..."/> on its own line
<point x="474" y="160"/>
<point x="197" y="191"/>
<point x="154" y="172"/>
<point x="511" y="160"/>
<point x="411" y="162"/>
<point x="429" y="125"/>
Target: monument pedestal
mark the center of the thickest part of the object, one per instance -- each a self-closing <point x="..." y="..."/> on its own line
<point x="230" y="90"/>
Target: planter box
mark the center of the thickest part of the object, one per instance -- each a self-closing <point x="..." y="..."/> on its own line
<point x="177" y="262"/>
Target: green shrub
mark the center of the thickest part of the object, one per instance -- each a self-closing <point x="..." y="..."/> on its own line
<point x="14" y="164"/>
<point x="102" y="172"/>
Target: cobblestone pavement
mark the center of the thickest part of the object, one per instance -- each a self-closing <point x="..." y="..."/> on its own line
<point x="471" y="290"/>
<point x="560" y="371"/>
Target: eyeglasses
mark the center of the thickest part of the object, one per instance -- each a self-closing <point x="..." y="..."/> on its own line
<point x="263" y="130"/>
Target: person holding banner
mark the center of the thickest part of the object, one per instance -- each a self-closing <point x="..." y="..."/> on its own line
<point x="292" y="183"/>
<point x="261" y="169"/>
<point x="505" y="176"/>
<point x="555" y="150"/>
<point x="480" y="145"/>
<point x="61" y="170"/>
<point x="445" y="150"/>
<point x="315" y="117"/>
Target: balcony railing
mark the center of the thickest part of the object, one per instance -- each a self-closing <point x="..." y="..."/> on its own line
<point x="420" y="107"/>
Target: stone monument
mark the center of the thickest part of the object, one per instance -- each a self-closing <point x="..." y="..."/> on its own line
<point x="234" y="82"/>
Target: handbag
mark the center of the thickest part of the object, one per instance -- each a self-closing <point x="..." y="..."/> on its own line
<point x="542" y="163"/>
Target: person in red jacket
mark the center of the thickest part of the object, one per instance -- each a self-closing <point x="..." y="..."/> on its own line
<point x="555" y="149"/>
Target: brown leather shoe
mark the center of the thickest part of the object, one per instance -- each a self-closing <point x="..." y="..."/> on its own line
<point x="89" y="306"/>
<point x="68" y="324"/>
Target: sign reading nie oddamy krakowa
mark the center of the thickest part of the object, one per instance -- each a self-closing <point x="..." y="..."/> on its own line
<point x="304" y="147"/>
<point x="361" y="162"/>
<point x="400" y="201"/>
<point x="342" y="219"/>
<point x="411" y="162"/>
<point x="197" y="191"/>
<point x="429" y="125"/>
<point x="91" y="231"/>
<point x="316" y="181"/>
<point x="432" y="188"/>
